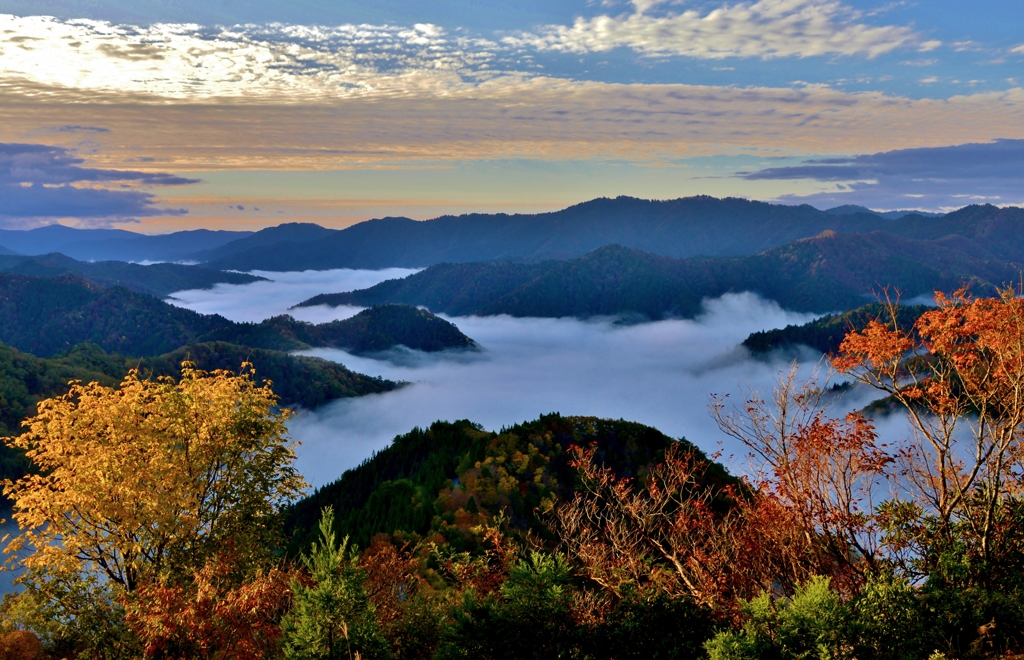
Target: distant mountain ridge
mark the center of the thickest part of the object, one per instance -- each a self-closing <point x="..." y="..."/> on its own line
<point x="679" y="228"/>
<point x="825" y="273"/>
<point x="114" y="244"/>
<point x="159" y="279"/>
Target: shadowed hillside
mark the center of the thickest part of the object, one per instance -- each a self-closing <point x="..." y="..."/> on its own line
<point x="821" y="274"/>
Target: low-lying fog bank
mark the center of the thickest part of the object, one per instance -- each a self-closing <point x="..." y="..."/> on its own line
<point x="659" y="374"/>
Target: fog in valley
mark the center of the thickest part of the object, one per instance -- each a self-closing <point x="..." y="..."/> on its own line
<point x="659" y="373"/>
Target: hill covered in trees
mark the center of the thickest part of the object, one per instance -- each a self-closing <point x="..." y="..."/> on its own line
<point x="821" y="274"/>
<point x="155" y="279"/>
<point x="452" y="476"/>
<point x="378" y="328"/>
<point x="46" y="316"/>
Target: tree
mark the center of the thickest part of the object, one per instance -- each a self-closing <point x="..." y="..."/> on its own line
<point x="823" y="470"/>
<point x="678" y="532"/>
<point x="959" y="375"/>
<point x="213" y="618"/>
<point x="146" y="481"/>
<point x="331" y="615"/>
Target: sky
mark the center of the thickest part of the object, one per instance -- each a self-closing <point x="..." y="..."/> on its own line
<point x="158" y="116"/>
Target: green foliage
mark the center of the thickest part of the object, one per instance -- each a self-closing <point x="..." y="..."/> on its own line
<point x="811" y="624"/>
<point x="331" y="617"/>
<point x="74" y="615"/>
<point x="528" y="618"/>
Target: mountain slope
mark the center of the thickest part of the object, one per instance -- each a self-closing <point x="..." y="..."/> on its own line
<point x="454" y="475"/>
<point x="821" y="274"/>
<point x="376" y="329"/>
<point x="292" y="232"/>
<point x="156" y="279"/>
<point x="46" y="316"/>
<point x="678" y="228"/>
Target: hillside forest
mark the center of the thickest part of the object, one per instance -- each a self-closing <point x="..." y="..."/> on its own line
<point x="563" y="537"/>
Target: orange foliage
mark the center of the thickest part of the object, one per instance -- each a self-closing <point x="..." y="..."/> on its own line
<point x="217" y="617"/>
<point x="680" y="532"/>
<point x="960" y="377"/>
<point x="20" y="645"/>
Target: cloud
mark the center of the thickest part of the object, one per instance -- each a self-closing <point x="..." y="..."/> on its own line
<point x="262" y="300"/>
<point x="39" y="182"/>
<point x="926" y="178"/>
<point x="763" y="29"/>
<point x="1018" y="49"/>
<point x="187" y="61"/>
<point x="656" y="373"/>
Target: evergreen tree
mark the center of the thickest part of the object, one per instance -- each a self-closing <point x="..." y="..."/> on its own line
<point x="331" y="616"/>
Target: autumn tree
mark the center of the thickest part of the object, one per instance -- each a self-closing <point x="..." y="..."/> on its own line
<point x="215" y="617"/>
<point x="824" y="471"/>
<point x="959" y="375"/>
<point x="147" y="480"/>
<point x="679" y="531"/>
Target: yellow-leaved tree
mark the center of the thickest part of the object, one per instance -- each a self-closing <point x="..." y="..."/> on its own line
<point x="147" y="481"/>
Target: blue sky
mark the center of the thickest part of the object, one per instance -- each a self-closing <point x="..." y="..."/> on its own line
<point x="339" y="111"/>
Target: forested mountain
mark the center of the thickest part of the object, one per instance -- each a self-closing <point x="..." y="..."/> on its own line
<point x="4" y="251"/>
<point x="285" y="235"/>
<point x="678" y="228"/>
<point x="821" y="274"/>
<point x="156" y="279"/>
<point x="297" y="379"/>
<point x="851" y="209"/>
<point x="455" y="475"/>
<point x="825" y="334"/>
<point x="376" y="329"/>
<point x="46" y="316"/>
<point x="114" y="244"/>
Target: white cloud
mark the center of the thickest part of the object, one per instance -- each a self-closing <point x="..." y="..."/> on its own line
<point x="243" y="61"/>
<point x="765" y="29"/>
<point x="1018" y="49"/>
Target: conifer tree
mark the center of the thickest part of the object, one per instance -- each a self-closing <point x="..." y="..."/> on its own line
<point x="331" y="615"/>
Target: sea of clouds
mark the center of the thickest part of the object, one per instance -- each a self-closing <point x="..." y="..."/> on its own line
<point x="660" y="374"/>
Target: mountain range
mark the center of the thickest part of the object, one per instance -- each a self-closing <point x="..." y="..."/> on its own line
<point x="114" y="244"/>
<point x="694" y="226"/>
<point x="825" y="273"/>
